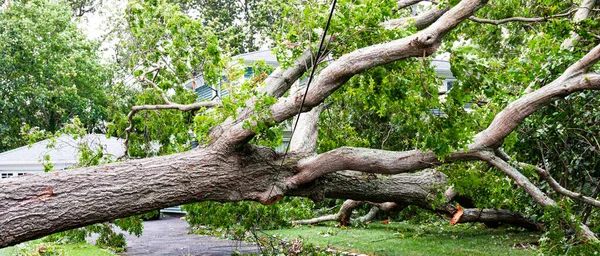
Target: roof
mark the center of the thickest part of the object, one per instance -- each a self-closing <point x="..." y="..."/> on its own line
<point x="64" y="152"/>
<point x="265" y="55"/>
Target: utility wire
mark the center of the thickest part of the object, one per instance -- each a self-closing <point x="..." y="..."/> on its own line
<point x="310" y="78"/>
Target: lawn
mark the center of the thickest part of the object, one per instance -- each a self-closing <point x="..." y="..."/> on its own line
<point x="34" y="248"/>
<point x="414" y="239"/>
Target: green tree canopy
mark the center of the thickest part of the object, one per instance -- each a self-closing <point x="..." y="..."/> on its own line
<point x="49" y="71"/>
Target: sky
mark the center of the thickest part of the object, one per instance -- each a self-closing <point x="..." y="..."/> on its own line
<point x="97" y="25"/>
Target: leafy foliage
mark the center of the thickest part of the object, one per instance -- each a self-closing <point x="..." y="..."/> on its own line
<point x="241" y="26"/>
<point x="50" y="71"/>
<point x="50" y="74"/>
<point x="237" y="218"/>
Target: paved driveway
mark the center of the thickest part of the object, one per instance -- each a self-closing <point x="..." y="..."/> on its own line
<point x="169" y="236"/>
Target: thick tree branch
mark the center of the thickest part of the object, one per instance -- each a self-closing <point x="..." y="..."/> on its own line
<point x="519" y="178"/>
<point x="281" y="79"/>
<point x="572" y="80"/>
<point x="585" y="63"/>
<point x="337" y="73"/>
<point x="370" y="215"/>
<point x="498" y="215"/>
<point x="386" y="207"/>
<point x="305" y="137"/>
<point x="342" y="216"/>
<point x="369" y="161"/>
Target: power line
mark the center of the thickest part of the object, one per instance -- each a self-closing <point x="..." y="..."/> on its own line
<point x="310" y="78"/>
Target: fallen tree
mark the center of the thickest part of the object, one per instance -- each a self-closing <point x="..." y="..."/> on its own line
<point x="227" y="168"/>
<point x="491" y="217"/>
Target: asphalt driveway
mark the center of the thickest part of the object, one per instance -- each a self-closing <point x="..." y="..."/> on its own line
<point x="169" y="236"/>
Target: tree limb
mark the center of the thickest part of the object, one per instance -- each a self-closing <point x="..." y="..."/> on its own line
<point x="519" y="178"/>
<point x="583" y="12"/>
<point x="574" y="79"/>
<point x="560" y="189"/>
<point x="38" y="205"/>
<point x="420" y="21"/>
<point x="342" y="216"/>
<point x="498" y="215"/>
<point x="305" y="137"/>
<point x="468" y="214"/>
<point x="337" y="73"/>
<point x="369" y="161"/>
<point x="520" y="19"/>
<point x="168" y="105"/>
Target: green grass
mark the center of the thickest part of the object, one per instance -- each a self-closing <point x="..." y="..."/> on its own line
<point x="32" y="248"/>
<point x="413" y="239"/>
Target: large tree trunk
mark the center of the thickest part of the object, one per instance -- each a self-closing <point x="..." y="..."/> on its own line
<point x="230" y="170"/>
<point x="38" y="205"/>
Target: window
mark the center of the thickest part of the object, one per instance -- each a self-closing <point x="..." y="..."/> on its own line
<point x="6" y="175"/>
<point x="204" y="92"/>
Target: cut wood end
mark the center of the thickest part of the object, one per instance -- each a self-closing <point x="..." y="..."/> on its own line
<point x="459" y="212"/>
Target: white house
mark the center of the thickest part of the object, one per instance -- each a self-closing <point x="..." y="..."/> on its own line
<point x="63" y="154"/>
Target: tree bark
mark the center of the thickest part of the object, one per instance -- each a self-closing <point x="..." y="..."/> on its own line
<point x="420" y="21"/>
<point x="583" y="12"/>
<point x="38" y="205"/>
<point x="468" y="215"/>
<point x="342" y="216"/>
<point x="495" y="215"/>
<point x="230" y="170"/>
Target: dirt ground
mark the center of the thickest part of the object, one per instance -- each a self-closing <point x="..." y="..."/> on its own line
<point x="169" y="236"/>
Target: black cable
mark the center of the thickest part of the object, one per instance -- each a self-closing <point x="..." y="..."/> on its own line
<point x="310" y="78"/>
